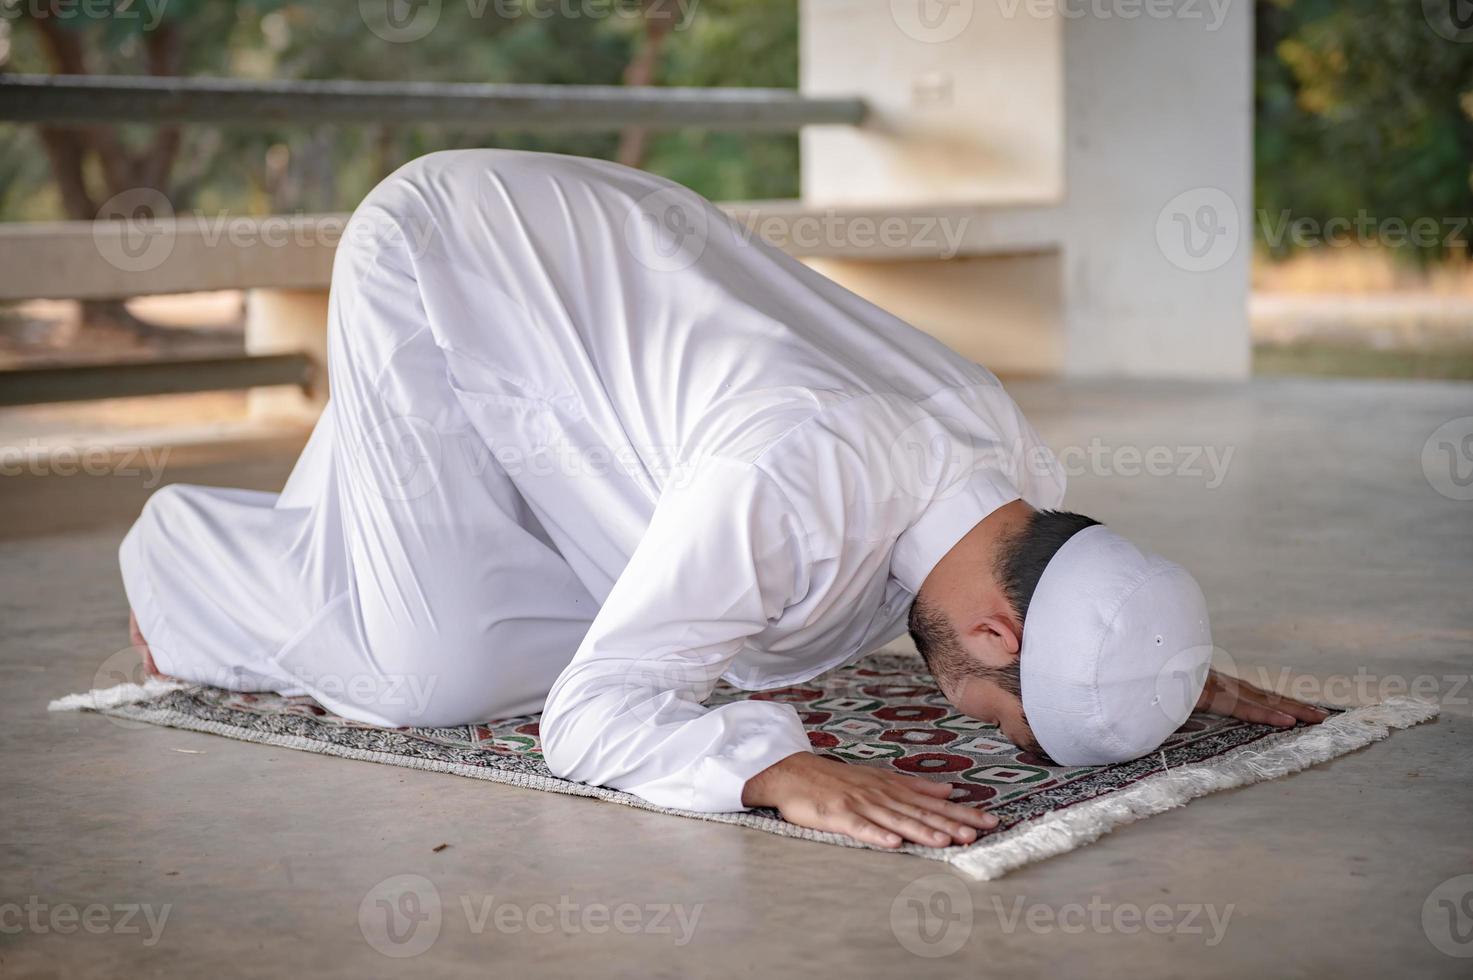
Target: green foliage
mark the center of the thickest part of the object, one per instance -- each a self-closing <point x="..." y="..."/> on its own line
<point x="716" y="42"/>
<point x="1362" y="109"/>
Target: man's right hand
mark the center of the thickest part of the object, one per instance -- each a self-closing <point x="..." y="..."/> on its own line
<point x="869" y="804"/>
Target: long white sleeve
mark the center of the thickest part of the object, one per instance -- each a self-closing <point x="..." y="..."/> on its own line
<point x="722" y="557"/>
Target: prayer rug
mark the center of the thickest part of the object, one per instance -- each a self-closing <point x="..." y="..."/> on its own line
<point x="883" y="711"/>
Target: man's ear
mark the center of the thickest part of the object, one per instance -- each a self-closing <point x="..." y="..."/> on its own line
<point x="993" y="640"/>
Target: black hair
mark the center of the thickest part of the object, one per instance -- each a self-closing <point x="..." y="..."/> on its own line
<point x="1024" y="555"/>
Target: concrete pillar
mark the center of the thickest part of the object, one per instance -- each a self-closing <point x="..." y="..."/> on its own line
<point x="284" y="320"/>
<point x="1159" y="172"/>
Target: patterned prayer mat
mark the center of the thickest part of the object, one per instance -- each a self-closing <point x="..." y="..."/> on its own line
<point x="882" y="711"/>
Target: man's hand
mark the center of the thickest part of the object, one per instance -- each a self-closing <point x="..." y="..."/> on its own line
<point x="868" y="804"/>
<point x="1224" y="695"/>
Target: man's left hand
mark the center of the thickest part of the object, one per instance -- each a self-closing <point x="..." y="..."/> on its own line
<point x="1225" y="695"/>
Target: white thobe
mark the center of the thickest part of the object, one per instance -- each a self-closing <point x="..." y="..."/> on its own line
<point x="591" y="447"/>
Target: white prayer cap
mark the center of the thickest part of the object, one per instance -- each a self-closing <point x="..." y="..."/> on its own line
<point x="1115" y="651"/>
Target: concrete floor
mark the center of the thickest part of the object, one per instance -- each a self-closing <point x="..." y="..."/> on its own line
<point x="1324" y="549"/>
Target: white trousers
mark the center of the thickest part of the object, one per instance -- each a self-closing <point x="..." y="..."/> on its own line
<point x="399" y="577"/>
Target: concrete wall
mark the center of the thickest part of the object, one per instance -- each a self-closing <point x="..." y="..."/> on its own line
<point x="1134" y="117"/>
<point x="966" y="102"/>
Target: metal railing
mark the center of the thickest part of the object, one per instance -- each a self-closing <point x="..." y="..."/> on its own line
<point x="84" y="100"/>
<point x="76" y="99"/>
<point x="161" y="376"/>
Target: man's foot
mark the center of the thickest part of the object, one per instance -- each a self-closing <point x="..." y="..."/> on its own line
<point x="135" y="635"/>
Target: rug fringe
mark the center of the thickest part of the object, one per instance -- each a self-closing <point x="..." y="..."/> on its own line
<point x="1279" y="755"/>
<point x="111" y="697"/>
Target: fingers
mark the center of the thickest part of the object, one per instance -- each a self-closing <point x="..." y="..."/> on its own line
<point x="1240" y="699"/>
<point x="910" y="827"/>
<point x="1234" y="705"/>
<point x="955" y="812"/>
<point x="867" y="831"/>
<point x="1261" y="713"/>
<point x="1298" y="709"/>
<point x="951" y="829"/>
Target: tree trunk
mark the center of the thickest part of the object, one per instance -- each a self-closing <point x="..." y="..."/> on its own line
<point x="659" y="20"/>
<point x="69" y="147"/>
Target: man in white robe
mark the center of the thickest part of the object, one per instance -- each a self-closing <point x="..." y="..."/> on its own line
<point x="590" y="448"/>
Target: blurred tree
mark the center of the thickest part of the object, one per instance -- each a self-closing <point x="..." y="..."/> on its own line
<point x="90" y="165"/>
<point x="288" y="167"/>
<point x="1362" y="109"/>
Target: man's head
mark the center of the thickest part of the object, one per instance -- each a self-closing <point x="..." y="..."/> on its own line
<point x="1079" y="645"/>
<point x="982" y="673"/>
